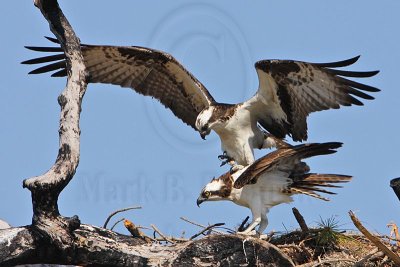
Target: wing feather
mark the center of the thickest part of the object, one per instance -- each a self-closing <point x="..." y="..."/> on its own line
<point x="290" y="90"/>
<point x="283" y="157"/>
<point x="147" y="71"/>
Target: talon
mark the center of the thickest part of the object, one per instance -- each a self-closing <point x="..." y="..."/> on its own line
<point x="224" y="156"/>
<point x="248" y="233"/>
<point x="236" y="168"/>
<point x="226" y="159"/>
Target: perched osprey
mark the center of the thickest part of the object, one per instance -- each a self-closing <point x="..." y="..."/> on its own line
<point x="288" y="91"/>
<point x="272" y="180"/>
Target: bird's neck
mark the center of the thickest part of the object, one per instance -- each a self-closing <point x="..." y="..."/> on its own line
<point x="235" y="194"/>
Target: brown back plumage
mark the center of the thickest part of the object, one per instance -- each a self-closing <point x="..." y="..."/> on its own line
<point x="282" y="156"/>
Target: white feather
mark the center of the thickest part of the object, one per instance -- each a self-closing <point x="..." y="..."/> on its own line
<point x="203" y="117"/>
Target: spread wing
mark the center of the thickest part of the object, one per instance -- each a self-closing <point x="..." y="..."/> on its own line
<point x="149" y="72"/>
<point x="290" y="90"/>
<point x="285" y="159"/>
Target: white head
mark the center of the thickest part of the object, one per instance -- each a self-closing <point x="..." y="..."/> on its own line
<point x="218" y="189"/>
<point x="203" y="121"/>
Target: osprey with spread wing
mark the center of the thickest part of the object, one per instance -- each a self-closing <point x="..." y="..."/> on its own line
<point x="288" y="92"/>
<point x="272" y="180"/>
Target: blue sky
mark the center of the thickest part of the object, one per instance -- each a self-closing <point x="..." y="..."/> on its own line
<point x="134" y="152"/>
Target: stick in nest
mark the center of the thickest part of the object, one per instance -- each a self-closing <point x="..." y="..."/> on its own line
<point x="206" y="229"/>
<point x="117" y="222"/>
<point x="135" y="231"/>
<point x="241" y="227"/>
<point x="323" y="262"/>
<point x="300" y="220"/>
<point x="394" y="257"/>
<point x="161" y="234"/>
<point x="118" y="211"/>
<point x="200" y="225"/>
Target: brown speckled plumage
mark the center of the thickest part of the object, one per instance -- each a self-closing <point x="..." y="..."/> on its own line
<point x="293" y="88"/>
<point x="282" y="156"/>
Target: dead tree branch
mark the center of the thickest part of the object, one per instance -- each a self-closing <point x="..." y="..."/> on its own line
<point x="46" y="188"/>
<point x="199" y="225"/>
<point x="300" y="220"/>
<point x="206" y="229"/>
<point x="115" y="224"/>
<point x="118" y="211"/>
<point x="161" y="234"/>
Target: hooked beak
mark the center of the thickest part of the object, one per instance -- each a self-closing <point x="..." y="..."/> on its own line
<point x="204" y="133"/>
<point x="200" y="200"/>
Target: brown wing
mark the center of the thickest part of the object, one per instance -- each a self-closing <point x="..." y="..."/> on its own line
<point x="290" y="90"/>
<point x="282" y="157"/>
<point x="147" y="71"/>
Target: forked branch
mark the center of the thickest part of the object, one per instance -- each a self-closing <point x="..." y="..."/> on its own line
<point x="46" y="188"/>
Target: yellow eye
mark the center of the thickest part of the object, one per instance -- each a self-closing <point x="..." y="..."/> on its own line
<point x="207" y="193"/>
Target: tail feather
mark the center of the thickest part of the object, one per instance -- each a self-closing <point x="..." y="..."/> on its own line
<point x="324" y="178"/>
<point x="310" y="183"/>
<point x="325" y="185"/>
<point x="316" y="189"/>
<point x="308" y="193"/>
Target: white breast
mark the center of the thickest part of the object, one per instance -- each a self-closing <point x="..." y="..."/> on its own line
<point x="239" y="136"/>
<point x="267" y="191"/>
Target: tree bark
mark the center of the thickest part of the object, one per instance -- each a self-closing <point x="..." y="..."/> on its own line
<point x="46" y="188"/>
<point x="52" y="238"/>
<point x="94" y="246"/>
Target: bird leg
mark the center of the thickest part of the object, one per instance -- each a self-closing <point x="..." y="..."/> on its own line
<point x="250" y="228"/>
<point x="225" y="159"/>
<point x="263" y="223"/>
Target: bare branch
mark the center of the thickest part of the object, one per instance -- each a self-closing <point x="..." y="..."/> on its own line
<point x="394" y="231"/>
<point x="241" y="227"/>
<point x="46" y="188"/>
<point x="175" y="239"/>
<point x="135" y="231"/>
<point x="161" y="234"/>
<point x="115" y="224"/>
<point x="206" y="229"/>
<point x="118" y="211"/>
<point x="199" y="225"/>
<point x="300" y="220"/>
